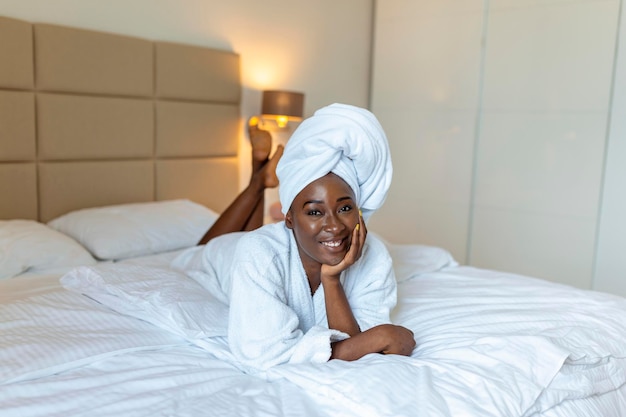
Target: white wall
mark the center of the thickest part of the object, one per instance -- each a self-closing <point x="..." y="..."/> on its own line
<point x="497" y="113"/>
<point x="425" y="91"/>
<point x="292" y="45"/>
<point x="610" y="272"/>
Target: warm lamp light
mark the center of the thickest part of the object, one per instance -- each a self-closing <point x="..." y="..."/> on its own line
<point x="280" y="106"/>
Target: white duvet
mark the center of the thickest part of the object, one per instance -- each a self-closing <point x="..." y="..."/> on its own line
<point x="488" y="344"/>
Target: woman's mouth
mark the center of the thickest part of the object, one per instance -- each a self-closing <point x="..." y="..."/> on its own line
<point x="334" y="250"/>
<point x="332" y="243"/>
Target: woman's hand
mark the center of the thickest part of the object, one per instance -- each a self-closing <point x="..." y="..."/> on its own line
<point x="400" y="340"/>
<point x="359" y="233"/>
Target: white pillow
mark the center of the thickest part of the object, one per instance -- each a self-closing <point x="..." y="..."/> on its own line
<point x="29" y="245"/>
<point x="412" y="260"/>
<point x="139" y="229"/>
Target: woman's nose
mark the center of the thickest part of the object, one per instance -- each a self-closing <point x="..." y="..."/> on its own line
<point x="333" y="223"/>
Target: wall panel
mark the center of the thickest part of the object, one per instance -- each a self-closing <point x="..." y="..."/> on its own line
<point x="510" y="119"/>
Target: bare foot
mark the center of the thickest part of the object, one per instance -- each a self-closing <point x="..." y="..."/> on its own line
<point x="261" y="141"/>
<point x="269" y="169"/>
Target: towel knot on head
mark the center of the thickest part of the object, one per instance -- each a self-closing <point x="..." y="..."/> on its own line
<point x="345" y="140"/>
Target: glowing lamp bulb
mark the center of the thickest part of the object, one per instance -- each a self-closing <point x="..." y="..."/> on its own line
<point x="282" y="121"/>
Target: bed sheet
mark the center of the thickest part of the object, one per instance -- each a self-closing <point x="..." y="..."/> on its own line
<point x="489" y="344"/>
<point x="612" y="403"/>
<point x="461" y="304"/>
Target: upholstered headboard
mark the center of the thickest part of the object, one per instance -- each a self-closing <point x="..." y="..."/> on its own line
<point x="90" y="119"/>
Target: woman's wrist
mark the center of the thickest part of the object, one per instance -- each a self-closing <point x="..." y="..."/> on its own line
<point x="330" y="279"/>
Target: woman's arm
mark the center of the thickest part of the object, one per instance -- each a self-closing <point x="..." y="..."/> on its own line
<point x="338" y="311"/>
<point x="385" y="338"/>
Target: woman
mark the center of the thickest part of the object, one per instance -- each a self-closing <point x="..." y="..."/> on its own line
<point x="314" y="287"/>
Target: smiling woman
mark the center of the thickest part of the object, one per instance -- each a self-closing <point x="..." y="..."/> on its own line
<point x="314" y="287"/>
<point x="330" y="234"/>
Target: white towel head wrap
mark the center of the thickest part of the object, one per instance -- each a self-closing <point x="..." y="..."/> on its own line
<point x="345" y="140"/>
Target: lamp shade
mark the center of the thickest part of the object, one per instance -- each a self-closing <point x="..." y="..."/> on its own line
<point x="283" y="103"/>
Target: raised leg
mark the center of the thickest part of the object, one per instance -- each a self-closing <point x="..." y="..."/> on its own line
<point x="246" y="211"/>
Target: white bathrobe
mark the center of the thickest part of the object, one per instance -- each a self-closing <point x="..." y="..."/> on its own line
<point x="273" y="318"/>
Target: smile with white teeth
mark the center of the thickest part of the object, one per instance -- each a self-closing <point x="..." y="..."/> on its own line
<point x="333" y="244"/>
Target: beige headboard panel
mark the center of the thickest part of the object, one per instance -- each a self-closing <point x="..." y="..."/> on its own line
<point x="90" y="119"/>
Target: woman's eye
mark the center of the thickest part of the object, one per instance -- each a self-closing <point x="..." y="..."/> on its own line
<point x="313" y="213"/>
<point x="346" y="208"/>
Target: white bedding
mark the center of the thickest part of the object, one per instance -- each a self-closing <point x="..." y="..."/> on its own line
<point x="488" y="344"/>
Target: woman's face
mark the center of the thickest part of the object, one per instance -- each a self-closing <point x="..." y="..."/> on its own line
<point x="322" y="217"/>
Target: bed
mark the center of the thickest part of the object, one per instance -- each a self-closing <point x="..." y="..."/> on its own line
<point x="116" y="154"/>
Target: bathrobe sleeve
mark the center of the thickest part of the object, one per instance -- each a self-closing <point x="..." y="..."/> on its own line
<point x="264" y="328"/>
<point x="370" y="285"/>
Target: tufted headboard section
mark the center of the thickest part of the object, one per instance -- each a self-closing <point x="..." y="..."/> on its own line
<point x="91" y="119"/>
